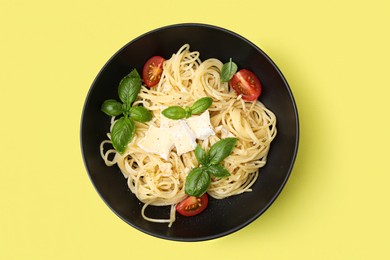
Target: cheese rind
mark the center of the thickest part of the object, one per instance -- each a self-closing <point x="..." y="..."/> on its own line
<point x="183" y="137"/>
<point x="180" y="134"/>
<point x="201" y="125"/>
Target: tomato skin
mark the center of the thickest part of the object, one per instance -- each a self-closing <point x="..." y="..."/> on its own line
<point x="247" y="84"/>
<point x="152" y="71"/>
<point x="192" y="205"/>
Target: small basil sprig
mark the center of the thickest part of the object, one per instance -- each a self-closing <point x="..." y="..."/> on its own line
<point x="124" y="128"/>
<point x="177" y="112"/>
<point x="228" y="70"/>
<point x="198" y="179"/>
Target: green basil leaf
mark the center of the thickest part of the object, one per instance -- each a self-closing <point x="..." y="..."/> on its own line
<point x="201" y="155"/>
<point x="122" y="133"/>
<point x="228" y="70"/>
<point x="174" y="112"/>
<point x="201" y="105"/>
<point x="129" y="88"/>
<point x="112" y="107"/>
<point x="197" y="182"/>
<point x="221" y="149"/>
<point x="188" y="112"/>
<point x="140" y="114"/>
<point x="218" y="171"/>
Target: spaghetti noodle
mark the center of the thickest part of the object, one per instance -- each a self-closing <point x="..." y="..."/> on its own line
<point x="185" y="78"/>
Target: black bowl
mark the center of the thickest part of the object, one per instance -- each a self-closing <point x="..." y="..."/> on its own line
<point x="222" y="217"/>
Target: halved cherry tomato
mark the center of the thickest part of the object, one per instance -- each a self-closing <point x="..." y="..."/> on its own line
<point x="192" y="205"/>
<point x="152" y="71"/>
<point x="247" y="84"/>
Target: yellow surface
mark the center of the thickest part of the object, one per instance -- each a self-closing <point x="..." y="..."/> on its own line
<point x="335" y="56"/>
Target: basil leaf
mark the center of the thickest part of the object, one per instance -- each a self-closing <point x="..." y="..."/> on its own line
<point x="122" y="133"/>
<point x="201" y="155"/>
<point x="197" y="182"/>
<point x="188" y="112"/>
<point x="201" y="105"/>
<point x="129" y="88"/>
<point x="221" y="149"/>
<point x="112" y="107"/>
<point x="228" y="70"/>
<point x="140" y="114"/>
<point x="174" y="112"/>
<point x="218" y="171"/>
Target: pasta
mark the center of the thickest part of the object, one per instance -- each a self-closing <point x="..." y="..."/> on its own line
<point x="160" y="182"/>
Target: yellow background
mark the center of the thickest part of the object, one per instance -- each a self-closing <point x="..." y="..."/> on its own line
<point x="335" y="56"/>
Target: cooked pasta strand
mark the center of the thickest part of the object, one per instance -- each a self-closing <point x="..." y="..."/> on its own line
<point x="185" y="78"/>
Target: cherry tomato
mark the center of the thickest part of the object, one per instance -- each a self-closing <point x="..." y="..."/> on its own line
<point x="246" y="83"/>
<point x="192" y="205"/>
<point x="152" y="71"/>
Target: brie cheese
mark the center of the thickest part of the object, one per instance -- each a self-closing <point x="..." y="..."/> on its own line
<point x="157" y="141"/>
<point x="201" y="125"/>
<point x="183" y="137"/>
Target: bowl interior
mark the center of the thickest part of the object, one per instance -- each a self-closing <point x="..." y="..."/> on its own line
<point x="222" y="216"/>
